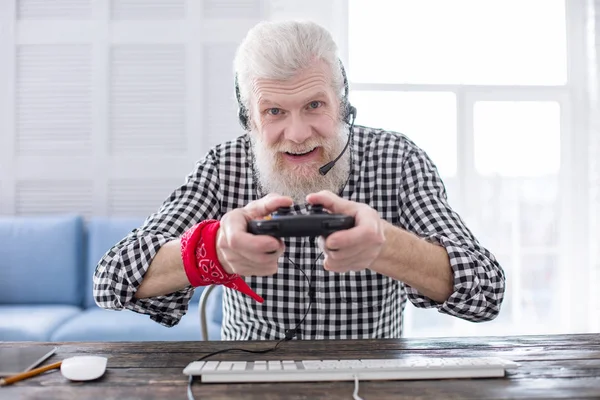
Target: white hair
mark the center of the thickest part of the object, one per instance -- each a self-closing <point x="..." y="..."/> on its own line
<point x="279" y="50"/>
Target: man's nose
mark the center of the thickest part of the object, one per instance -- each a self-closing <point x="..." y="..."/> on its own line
<point x="298" y="129"/>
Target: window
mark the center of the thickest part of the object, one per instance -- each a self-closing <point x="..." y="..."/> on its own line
<point x="489" y="99"/>
<point x="488" y="42"/>
<point x="429" y="118"/>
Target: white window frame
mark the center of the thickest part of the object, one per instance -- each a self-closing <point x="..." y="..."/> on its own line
<point x="574" y="248"/>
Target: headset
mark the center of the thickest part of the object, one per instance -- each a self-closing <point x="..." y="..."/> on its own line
<point x="347" y="109"/>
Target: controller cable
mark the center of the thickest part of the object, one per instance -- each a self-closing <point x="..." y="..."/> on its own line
<point x="289" y="333"/>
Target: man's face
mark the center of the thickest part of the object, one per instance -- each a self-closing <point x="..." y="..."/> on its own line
<point x="297" y="129"/>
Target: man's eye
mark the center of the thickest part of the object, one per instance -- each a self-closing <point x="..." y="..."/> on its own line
<point x="274" y="111"/>
<point x="314" y="104"/>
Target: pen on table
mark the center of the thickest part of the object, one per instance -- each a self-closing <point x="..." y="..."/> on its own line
<point x="29" y="374"/>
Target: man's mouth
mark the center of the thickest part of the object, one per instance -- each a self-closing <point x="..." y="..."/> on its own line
<point x="300" y="153"/>
<point x="302" y="156"/>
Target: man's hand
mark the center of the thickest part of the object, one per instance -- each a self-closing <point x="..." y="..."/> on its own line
<point x="354" y="249"/>
<point x="244" y="253"/>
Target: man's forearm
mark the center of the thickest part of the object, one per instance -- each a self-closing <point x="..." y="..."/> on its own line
<point x="416" y="262"/>
<point x="165" y="274"/>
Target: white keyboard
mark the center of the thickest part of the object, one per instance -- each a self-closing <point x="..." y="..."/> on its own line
<point x="346" y="370"/>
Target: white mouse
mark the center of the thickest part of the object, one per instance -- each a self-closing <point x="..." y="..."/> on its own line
<point x="83" y="368"/>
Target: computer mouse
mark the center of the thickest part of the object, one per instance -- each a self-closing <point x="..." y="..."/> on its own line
<point x="83" y="368"/>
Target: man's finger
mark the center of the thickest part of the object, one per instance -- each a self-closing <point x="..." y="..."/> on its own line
<point x="235" y="229"/>
<point x="347" y="256"/>
<point x="267" y="205"/>
<point x="352" y="237"/>
<point x="248" y="243"/>
<point x="331" y="202"/>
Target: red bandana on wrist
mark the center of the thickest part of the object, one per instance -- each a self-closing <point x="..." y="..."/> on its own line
<point x="201" y="263"/>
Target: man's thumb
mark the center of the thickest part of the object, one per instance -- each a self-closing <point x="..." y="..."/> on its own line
<point x="267" y="205"/>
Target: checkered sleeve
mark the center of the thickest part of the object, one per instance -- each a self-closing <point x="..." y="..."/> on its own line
<point x="479" y="280"/>
<point x="121" y="270"/>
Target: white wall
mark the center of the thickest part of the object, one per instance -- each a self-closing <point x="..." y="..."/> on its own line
<point x="106" y="105"/>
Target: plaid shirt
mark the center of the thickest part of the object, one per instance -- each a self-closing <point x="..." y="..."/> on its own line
<point x="390" y="173"/>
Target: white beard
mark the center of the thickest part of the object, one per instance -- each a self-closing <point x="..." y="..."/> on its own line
<point x="275" y="176"/>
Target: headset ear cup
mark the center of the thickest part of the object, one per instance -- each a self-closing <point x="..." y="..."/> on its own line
<point x="349" y="113"/>
<point x="243" y="118"/>
<point x="347" y="108"/>
<point x="242" y="114"/>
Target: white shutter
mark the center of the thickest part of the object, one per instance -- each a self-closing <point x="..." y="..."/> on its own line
<point x="53" y="99"/>
<point x="54" y="9"/>
<point x="147" y="9"/>
<point x="139" y="197"/>
<point x="147" y="98"/>
<point x="231" y="9"/>
<point x="51" y="196"/>
<point x="113" y="101"/>
<point x="220" y="105"/>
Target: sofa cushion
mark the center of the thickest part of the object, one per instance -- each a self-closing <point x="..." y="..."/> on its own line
<point x="32" y="323"/>
<point x="104" y="233"/>
<point x="40" y="259"/>
<point x="96" y="324"/>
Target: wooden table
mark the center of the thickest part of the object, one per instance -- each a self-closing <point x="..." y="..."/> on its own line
<point x="552" y="367"/>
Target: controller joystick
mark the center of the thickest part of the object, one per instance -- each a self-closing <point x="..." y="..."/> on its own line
<point x="283" y="211"/>
<point x="317" y="209"/>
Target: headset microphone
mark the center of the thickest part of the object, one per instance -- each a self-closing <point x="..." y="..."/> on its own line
<point x="325" y="168"/>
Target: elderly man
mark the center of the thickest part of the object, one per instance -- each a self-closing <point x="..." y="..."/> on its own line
<point x="301" y="148"/>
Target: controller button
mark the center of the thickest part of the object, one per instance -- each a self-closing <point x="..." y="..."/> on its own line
<point x="283" y="211"/>
<point x="317" y="208"/>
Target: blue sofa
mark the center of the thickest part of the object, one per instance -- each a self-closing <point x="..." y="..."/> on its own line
<point x="46" y="269"/>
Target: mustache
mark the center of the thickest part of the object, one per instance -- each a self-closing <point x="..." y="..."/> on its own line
<point x="329" y="146"/>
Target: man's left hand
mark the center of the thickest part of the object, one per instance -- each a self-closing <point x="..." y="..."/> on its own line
<point x="354" y="249"/>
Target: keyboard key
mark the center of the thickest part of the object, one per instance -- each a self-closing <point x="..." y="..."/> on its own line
<point x="274" y="365"/>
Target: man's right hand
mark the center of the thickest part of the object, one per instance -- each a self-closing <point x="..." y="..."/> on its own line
<point x="244" y="253"/>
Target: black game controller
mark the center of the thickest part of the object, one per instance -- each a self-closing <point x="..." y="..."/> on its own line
<point x="317" y="223"/>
